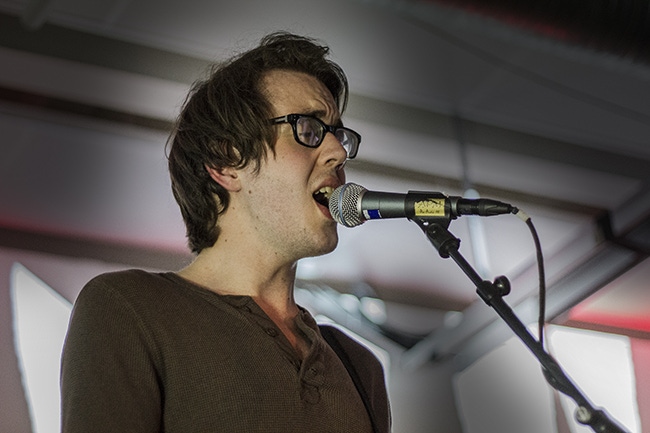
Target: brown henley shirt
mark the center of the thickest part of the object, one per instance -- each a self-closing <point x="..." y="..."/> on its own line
<point x="152" y="352"/>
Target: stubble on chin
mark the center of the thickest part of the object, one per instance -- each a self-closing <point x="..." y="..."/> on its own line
<point x="329" y="244"/>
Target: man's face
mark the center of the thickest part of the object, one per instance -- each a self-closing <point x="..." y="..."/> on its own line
<point x="279" y="199"/>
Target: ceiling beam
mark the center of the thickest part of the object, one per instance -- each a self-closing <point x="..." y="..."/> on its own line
<point x="82" y="247"/>
<point x="92" y="49"/>
<point x="81" y="48"/>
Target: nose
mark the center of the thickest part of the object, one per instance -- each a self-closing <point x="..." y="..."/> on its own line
<point x="332" y="151"/>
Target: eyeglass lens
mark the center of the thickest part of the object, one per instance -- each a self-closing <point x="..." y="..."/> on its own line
<point x="311" y="132"/>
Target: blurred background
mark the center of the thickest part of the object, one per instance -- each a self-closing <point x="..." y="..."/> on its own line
<point x="541" y="104"/>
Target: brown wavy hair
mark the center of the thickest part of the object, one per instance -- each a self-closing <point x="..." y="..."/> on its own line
<point x="224" y="122"/>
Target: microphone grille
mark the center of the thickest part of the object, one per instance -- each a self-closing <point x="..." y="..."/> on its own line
<point x="344" y="204"/>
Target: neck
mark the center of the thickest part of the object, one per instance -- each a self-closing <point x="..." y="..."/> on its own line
<point x="228" y="269"/>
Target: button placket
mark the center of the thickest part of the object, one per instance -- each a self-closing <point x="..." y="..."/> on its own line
<point x="312" y="378"/>
<point x="266" y="325"/>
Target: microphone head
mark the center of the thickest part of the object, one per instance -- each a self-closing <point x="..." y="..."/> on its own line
<point x="344" y="204"/>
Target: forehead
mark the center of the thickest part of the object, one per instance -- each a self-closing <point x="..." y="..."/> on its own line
<point x="297" y="92"/>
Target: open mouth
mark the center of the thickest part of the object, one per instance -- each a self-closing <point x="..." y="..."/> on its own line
<point x="322" y="196"/>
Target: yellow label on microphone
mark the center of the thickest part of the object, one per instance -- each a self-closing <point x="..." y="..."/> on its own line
<point x="432" y="207"/>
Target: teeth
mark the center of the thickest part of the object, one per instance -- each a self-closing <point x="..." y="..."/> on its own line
<point x="322" y="196"/>
<point x="326" y="191"/>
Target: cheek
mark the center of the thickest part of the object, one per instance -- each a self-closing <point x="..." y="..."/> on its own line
<point x="294" y="169"/>
<point x="276" y="191"/>
<point x="285" y="175"/>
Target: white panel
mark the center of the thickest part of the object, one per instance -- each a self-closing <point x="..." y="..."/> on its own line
<point x="601" y="366"/>
<point x="505" y="391"/>
<point x="41" y="318"/>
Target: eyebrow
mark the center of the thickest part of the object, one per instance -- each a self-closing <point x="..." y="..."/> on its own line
<point x="314" y="113"/>
<point x="320" y="114"/>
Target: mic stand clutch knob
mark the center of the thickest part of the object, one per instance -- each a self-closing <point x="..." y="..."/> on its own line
<point x="447" y="245"/>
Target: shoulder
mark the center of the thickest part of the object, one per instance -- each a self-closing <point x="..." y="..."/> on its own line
<point x="129" y="289"/>
<point x="131" y="304"/>
<point x="127" y="283"/>
<point x="151" y="296"/>
<point x="358" y="352"/>
<point x="369" y="370"/>
<point x="126" y="278"/>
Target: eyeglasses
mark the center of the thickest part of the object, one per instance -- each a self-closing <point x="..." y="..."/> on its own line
<point x="310" y="131"/>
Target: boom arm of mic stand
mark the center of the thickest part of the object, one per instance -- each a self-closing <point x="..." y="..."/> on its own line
<point x="492" y="294"/>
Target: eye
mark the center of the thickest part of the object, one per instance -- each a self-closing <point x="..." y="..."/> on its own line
<point x="306" y="135"/>
<point x="307" y="130"/>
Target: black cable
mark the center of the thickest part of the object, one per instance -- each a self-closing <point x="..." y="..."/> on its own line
<point x="541" y="275"/>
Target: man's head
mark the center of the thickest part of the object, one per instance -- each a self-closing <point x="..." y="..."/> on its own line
<point x="225" y="123"/>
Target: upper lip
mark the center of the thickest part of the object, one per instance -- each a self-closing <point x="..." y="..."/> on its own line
<point x="330" y="183"/>
<point x="333" y="183"/>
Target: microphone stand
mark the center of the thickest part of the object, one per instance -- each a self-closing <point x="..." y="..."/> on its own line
<point x="492" y="294"/>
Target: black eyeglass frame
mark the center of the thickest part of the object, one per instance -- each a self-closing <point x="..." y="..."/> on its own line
<point x="292" y="119"/>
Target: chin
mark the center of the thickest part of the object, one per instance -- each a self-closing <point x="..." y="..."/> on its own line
<point x="326" y="247"/>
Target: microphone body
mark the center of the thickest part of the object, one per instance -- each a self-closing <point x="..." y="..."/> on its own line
<point x="352" y="205"/>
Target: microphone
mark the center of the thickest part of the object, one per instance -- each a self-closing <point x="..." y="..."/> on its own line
<point x="352" y="205"/>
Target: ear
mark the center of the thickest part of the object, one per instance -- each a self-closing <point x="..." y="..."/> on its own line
<point x="227" y="177"/>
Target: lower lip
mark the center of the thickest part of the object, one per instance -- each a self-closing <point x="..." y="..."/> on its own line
<point x="325" y="210"/>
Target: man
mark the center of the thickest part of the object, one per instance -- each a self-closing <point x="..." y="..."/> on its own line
<point x="221" y="345"/>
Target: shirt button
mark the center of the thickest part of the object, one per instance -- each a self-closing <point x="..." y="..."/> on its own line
<point x="310" y="394"/>
<point x="272" y="332"/>
<point x="313" y="375"/>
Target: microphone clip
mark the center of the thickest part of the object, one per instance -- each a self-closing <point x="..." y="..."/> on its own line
<point x="428" y="209"/>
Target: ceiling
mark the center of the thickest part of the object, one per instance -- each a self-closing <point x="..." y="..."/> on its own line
<point x="530" y="107"/>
